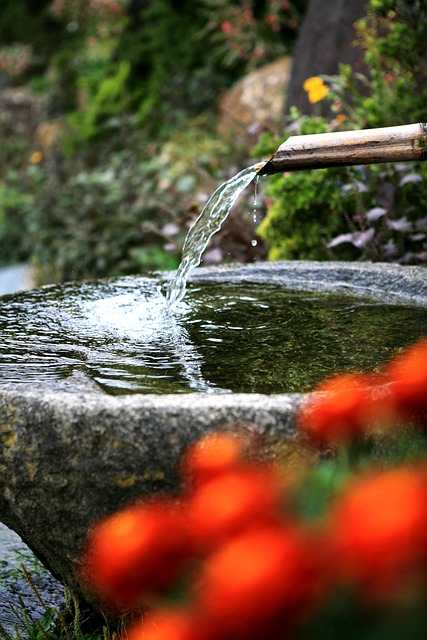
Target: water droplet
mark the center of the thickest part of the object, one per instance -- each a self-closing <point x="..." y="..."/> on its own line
<point x="254" y="211"/>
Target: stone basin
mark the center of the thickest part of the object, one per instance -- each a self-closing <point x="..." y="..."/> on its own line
<point x="70" y="454"/>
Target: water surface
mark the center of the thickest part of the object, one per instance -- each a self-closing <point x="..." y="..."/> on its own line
<point x="223" y="338"/>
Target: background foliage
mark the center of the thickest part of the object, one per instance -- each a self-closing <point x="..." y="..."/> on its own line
<point x="129" y="153"/>
<point x="128" y="92"/>
<point x="376" y="212"/>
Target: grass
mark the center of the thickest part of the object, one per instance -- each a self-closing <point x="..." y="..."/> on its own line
<point x="67" y="622"/>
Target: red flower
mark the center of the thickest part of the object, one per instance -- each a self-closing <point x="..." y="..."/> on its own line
<point x="212" y="455"/>
<point x="226" y="27"/>
<point x="379" y="531"/>
<point x="341" y="411"/>
<point x="408" y="373"/>
<point x="257" y="584"/>
<point x="232" y="501"/>
<point x="136" y="552"/>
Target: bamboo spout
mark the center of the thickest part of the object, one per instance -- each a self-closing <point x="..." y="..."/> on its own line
<point x="347" y="148"/>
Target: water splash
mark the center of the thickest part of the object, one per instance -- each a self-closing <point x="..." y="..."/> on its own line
<point x="207" y="224"/>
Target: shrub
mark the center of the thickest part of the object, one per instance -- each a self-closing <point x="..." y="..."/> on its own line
<point x="94" y="221"/>
<point x="163" y="61"/>
<point x="117" y="207"/>
<point x="376" y="212"/>
<point x="305" y="209"/>
<point x="16" y="201"/>
<point x="248" y="34"/>
<point x="28" y="37"/>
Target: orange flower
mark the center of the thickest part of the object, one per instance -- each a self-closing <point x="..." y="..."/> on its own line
<point x="258" y="584"/>
<point x="167" y="625"/>
<point x="408" y="373"/>
<point x="341" y="411"/>
<point x="232" y="501"/>
<point x="212" y="455"/>
<point x="315" y="88"/>
<point x="315" y="82"/>
<point x="136" y="552"/>
<point x="36" y="157"/>
<point x="379" y="531"/>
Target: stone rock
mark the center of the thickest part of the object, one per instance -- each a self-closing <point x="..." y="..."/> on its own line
<point x="20" y="111"/>
<point x="256" y="102"/>
<point x="70" y="454"/>
<point x="68" y="458"/>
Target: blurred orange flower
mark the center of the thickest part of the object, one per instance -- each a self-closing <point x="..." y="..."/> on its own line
<point x="211" y="456"/>
<point x="379" y="532"/>
<point x="233" y="501"/>
<point x="36" y="157"/>
<point x="341" y="410"/>
<point x="258" y="584"/>
<point x="408" y="373"/>
<point x="167" y="625"/>
<point x="136" y="552"/>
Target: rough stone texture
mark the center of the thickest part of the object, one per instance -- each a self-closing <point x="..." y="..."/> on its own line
<point x="20" y="111"/>
<point x="70" y="454"/>
<point x="70" y="458"/>
<point x="256" y="102"/>
<point x="382" y="281"/>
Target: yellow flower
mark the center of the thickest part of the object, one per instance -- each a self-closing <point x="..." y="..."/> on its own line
<point x="316" y="89"/>
<point x="312" y="83"/>
<point x="36" y="157"/>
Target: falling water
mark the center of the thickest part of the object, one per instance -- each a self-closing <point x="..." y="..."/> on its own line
<point x="254" y="210"/>
<point x="207" y="224"/>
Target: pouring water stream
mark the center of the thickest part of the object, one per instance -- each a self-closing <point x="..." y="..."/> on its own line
<point x="207" y="224"/>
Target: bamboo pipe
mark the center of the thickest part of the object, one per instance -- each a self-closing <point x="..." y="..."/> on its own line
<point x="347" y="148"/>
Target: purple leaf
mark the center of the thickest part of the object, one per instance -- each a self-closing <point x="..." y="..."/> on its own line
<point x="213" y="256"/>
<point x="390" y="249"/>
<point x="401" y="224"/>
<point x="171" y="229"/>
<point x="421" y="223"/>
<point x="407" y="257"/>
<point x="375" y="213"/>
<point x="410" y="177"/>
<point x="361" y="187"/>
<point x="344" y="237"/>
<point x="361" y="238"/>
<point x="357" y="184"/>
